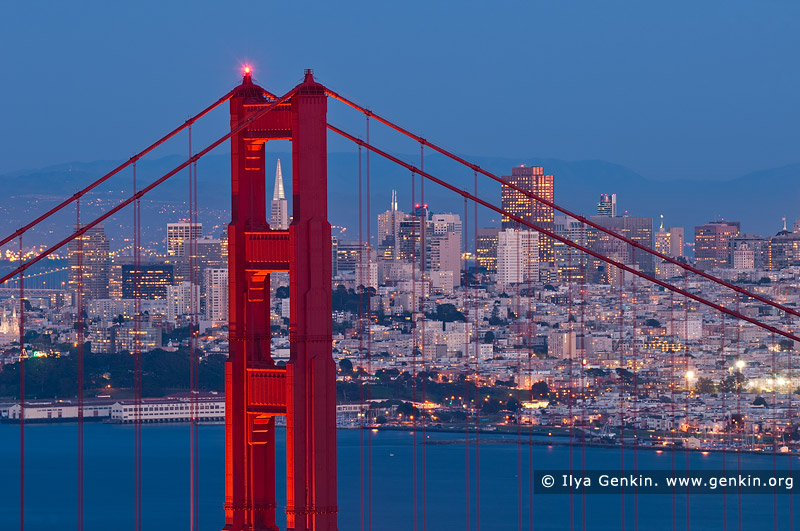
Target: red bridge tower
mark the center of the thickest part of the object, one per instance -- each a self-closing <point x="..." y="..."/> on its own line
<point x="256" y="390"/>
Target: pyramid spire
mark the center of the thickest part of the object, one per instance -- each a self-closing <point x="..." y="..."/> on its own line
<point x="278" y="193"/>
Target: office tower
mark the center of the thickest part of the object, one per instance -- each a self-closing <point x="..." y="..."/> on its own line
<point x="784" y="249"/>
<point x="676" y="242"/>
<point x="444" y="254"/>
<point x="607" y="206"/>
<point x="638" y="229"/>
<point x="178" y="233"/>
<point x="388" y="230"/>
<point x="758" y="245"/>
<point x="279" y="213"/>
<point x="182" y="300"/>
<point x="347" y="255"/>
<point x="670" y="241"/>
<point x="148" y="281"/>
<point x="334" y="257"/>
<point x="743" y="257"/>
<point x="571" y="264"/>
<point x="517" y="256"/>
<point x="367" y="268"/>
<point x="486" y="248"/>
<point x="215" y="283"/>
<point x="712" y="243"/>
<point x="531" y="179"/>
<point x="89" y="253"/>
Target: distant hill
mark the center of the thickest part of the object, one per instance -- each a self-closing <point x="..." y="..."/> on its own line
<point x="758" y="199"/>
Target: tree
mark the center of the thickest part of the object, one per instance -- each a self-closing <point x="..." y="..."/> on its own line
<point x="488" y="337"/>
<point x="447" y="313"/>
<point x="705" y="386"/>
<point x="734" y="382"/>
<point x="653" y="323"/>
<point x="540" y="390"/>
<point x="760" y="401"/>
<point x="346" y="366"/>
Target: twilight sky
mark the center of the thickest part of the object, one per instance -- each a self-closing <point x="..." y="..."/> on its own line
<point x="678" y="89"/>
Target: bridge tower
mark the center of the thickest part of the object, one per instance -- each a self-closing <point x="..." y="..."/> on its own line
<point x="256" y="390"/>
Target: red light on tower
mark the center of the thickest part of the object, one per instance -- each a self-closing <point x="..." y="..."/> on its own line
<point x="247" y="70"/>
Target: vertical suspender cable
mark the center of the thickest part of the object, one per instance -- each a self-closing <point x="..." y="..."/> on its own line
<point x="582" y="279"/>
<point x="425" y="283"/>
<point x="570" y="388"/>
<point x="191" y="243"/>
<point x="477" y="376"/>
<point x="369" y="344"/>
<point x="22" y="357"/>
<point x="635" y="356"/>
<point x="774" y="434"/>
<point x="739" y="416"/>
<point x="726" y="428"/>
<point x="362" y="394"/>
<point x="415" y="333"/>
<point x="671" y="424"/>
<point x="467" y="344"/>
<point x="137" y="356"/>
<point x="621" y="381"/>
<point x="685" y="374"/>
<point x="80" y="331"/>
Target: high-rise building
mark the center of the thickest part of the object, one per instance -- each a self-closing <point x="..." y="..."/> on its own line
<point x="334" y="256"/>
<point x="88" y="254"/>
<point x="784" y="249"/>
<point x="486" y="248"/>
<point x="178" y="233"/>
<point x="531" y="179"/>
<point x="571" y="264"/>
<point x="517" y="256"/>
<point x="182" y="300"/>
<point x="758" y="245"/>
<point x="670" y="241"/>
<point x="638" y="229"/>
<point x="279" y="209"/>
<point x="348" y="253"/>
<point x="712" y="243"/>
<point x="743" y="257"/>
<point x="388" y="230"/>
<point x="607" y="206"/>
<point x="215" y="282"/>
<point x="148" y="281"/>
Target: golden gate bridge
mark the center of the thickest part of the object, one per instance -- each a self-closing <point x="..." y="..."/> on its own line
<point x="304" y="390"/>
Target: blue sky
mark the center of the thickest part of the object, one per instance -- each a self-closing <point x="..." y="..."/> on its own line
<point x="679" y="89"/>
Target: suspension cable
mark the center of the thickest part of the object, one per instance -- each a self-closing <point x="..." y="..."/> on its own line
<point x="632" y="270"/>
<point x="546" y="202"/>
<point x="76" y="196"/>
<point x="138" y="195"/>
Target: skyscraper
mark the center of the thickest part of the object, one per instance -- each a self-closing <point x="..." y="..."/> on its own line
<point x="638" y="229"/>
<point x="712" y="243"/>
<point x="148" y="281"/>
<point x="486" y="248"/>
<point x="607" y="206"/>
<point x="669" y="241"/>
<point x="388" y="230"/>
<point x="88" y="254"/>
<point x="531" y="179"/>
<point x="279" y="213"/>
<point x="517" y="256"/>
<point x="178" y="233"/>
<point x="215" y="282"/>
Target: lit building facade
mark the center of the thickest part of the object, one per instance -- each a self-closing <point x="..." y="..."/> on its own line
<point x="712" y="244"/>
<point x="90" y="263"/>
<point x="531" y="179"/>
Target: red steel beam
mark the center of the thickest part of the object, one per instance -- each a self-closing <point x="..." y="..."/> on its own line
<point x="148" y="188"/>
<point x="554" y="206"/>
<point x="116" y="170"/>
<point x="564" y="240"/>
